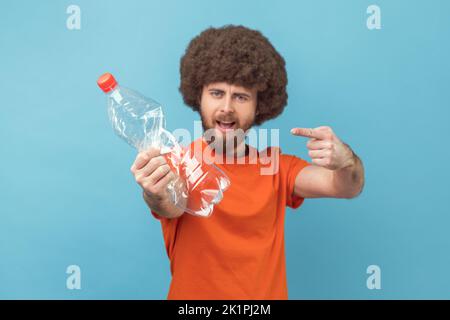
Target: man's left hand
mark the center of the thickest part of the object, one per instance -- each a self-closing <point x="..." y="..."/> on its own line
<point x="325" y="148"/>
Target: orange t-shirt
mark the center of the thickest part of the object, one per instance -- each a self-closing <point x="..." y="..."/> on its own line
<point x="238" y="251"/>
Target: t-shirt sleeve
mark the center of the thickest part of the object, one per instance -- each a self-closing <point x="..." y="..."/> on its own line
<point x="154" y="214"/>
<point x="169" y="230"/>
<point x="293" y="166"/>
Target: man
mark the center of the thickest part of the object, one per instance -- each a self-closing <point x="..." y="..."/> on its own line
<point x="235" y="79"/>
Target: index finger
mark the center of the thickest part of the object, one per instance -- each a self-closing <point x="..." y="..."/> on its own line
<point x="144" y="157"/>
<point x="153" y="152"/>
<point x="308" y="132"/>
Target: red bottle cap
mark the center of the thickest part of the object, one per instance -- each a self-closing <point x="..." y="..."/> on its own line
<point x="106" y="82"/>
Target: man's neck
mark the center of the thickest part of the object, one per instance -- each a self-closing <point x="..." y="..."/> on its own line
<point x="236" y="151"/>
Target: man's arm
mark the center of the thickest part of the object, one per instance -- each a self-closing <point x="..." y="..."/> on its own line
<point x="153" y="174"/>
<point x="336" y="171"/>
<point x="162" y="207"/>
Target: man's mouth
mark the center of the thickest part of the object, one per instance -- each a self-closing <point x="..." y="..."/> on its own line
<point x="225" y="125"/>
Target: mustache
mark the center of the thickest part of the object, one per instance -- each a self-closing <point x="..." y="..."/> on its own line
<point x="225" y="120"/>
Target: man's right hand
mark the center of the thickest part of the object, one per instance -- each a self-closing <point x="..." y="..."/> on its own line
<point x="153" y="174"/>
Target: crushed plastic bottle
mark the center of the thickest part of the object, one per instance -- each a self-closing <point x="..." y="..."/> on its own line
<point x="140" y="122"/>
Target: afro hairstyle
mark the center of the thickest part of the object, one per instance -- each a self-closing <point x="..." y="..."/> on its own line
<point x="236" y="55"/>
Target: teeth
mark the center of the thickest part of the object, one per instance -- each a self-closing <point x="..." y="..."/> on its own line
<point x="225" y="125"/>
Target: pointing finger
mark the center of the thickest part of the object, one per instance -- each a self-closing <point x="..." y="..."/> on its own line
<point x="308" y="133"/>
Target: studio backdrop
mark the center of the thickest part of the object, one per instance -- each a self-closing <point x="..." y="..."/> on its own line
<point x="377" y="72"/>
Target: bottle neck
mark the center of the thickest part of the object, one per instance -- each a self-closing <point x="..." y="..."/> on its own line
<point x="115" y="94"/>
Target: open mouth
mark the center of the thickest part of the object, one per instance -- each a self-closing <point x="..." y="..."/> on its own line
<point x="225" y="125"/>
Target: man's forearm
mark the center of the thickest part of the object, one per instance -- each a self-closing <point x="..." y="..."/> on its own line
<point x="164" y="208"/>
<point x="349" y="181"/>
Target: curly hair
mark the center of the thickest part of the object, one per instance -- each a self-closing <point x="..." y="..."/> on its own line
<point x="236" y="55"/>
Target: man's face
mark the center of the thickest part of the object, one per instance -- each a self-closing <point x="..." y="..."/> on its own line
<point x="225" y="108"/>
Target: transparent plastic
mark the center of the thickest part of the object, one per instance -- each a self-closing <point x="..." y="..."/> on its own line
<point x="140" y="122"/>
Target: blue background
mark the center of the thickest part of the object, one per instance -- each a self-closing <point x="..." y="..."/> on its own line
<point x="68" y="197"/>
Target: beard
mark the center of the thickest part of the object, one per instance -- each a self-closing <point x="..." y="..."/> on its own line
<point x="225" y="142"/>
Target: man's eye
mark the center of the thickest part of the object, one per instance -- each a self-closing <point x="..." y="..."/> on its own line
<point x="241" y="98"/>
<point x="216" y="93"/>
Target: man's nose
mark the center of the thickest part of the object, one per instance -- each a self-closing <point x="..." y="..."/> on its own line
<point x="227" y="106"/>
